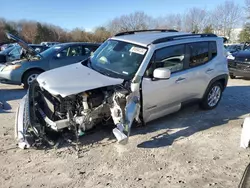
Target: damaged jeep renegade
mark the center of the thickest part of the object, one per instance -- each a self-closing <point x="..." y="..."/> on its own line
<point x="133" y="77"/>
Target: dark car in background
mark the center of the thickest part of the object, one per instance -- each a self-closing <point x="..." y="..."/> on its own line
<point x="49" y="44"/>
<point x="239" y="65"/>
<point x="14" y="52"/>
<point x="232" y="48"/>
<point x="39" y="48"/>
<point x="26" y="70"/>
<point x="4" y="54"/>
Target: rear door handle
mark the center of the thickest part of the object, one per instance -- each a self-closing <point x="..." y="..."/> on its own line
<point x="209" y="70"/>
<point x="180" y="80"/>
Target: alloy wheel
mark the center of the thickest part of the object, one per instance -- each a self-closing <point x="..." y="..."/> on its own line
<point x="31" y="78"/>
<point x="214" y="96"/>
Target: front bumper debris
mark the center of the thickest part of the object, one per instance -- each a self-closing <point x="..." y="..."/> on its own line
<point x="132" y="111"/>
<point x="21" y="123"/>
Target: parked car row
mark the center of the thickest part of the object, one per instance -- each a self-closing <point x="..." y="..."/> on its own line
<point x="238" y="56"/>
<point x="26" y="70"/>
<point x="239" y="65"/>
<point x="232" y="48"/>
<point x="17" y="52"/>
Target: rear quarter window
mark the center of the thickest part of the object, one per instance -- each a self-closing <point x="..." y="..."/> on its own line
<point x="201" y="52"/>
<point x="213" y="49"/>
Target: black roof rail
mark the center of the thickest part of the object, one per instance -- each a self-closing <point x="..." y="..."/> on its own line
<point x="146" y="30"/>
<point x="177" y="37"/>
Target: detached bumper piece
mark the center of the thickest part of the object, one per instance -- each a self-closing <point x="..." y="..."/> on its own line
<point x="22" y="123"/>
<point x="132" y="111"/>
<point x="29" y="130"/>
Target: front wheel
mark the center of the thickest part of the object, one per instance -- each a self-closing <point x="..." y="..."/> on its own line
<point x="212" y="97"/>
<point x="29" y="77"/>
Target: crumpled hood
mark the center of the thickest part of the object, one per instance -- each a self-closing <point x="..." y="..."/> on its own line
<point x="74" y="79"/>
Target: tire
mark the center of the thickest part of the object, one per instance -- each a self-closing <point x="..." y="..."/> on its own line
<point x="29" y="77"/>
<point x="209" y="102"/>
<point x="232" y="76"/>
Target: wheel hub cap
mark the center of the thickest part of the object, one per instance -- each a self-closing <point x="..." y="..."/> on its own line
<point x="214" y="96"/>
<point x="31" y="78"/>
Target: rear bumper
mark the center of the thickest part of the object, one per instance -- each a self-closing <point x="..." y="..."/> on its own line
<point x="22" y="123"/>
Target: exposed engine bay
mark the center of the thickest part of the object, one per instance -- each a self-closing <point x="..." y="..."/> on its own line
<point x="81" y="112"/>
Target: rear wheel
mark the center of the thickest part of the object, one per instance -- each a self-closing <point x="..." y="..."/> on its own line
<point x="29" y="77"/>
<point x="212" y="97"/>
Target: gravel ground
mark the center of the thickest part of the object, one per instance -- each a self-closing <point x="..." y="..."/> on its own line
<point x="191" y="148"/>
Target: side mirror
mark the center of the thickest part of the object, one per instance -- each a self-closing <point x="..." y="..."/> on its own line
<point x="162" y="73"/>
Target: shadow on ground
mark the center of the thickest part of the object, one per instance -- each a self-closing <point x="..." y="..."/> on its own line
<point x="241" y="78"/>
<point x="234" y="104"/>
<point x="7" y="95"/>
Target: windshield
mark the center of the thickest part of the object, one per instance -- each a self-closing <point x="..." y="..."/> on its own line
<point x="118" y="59"/>
<point x="51" y="51"/>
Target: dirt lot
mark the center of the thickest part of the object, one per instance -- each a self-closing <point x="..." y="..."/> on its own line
<point x="191" y="148"/>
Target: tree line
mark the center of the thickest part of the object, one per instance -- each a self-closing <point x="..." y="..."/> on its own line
<point x="221" y="21"/>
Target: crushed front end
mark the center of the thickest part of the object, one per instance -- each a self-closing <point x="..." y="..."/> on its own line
<point x="41" y="114"/>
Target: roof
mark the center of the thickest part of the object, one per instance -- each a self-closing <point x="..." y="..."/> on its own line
<point x="146" y="38"/>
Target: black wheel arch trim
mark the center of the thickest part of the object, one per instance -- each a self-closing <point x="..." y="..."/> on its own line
<point x="217" y="78"/>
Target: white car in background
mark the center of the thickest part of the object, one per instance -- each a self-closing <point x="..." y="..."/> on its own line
<point x="49" y="44"/>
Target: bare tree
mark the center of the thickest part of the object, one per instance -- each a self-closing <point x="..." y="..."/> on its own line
<point x="195" y="20"/>
<point x="2" y="33"/>
<point x="80" y="35"/>
<point x="134" y="21"/>
<point x="226" y="17"/>
<point x="101" y="34"/>
<point x="28" y="30"/>
<point x="171" y="21"/>
<point x="247" y="8"/>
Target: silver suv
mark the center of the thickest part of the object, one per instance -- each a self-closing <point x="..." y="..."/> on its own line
<point x="133" y="77"/>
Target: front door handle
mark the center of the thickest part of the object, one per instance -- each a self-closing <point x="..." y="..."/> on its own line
<point x="209" y="70"/>
<point x="180" y="80"/>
